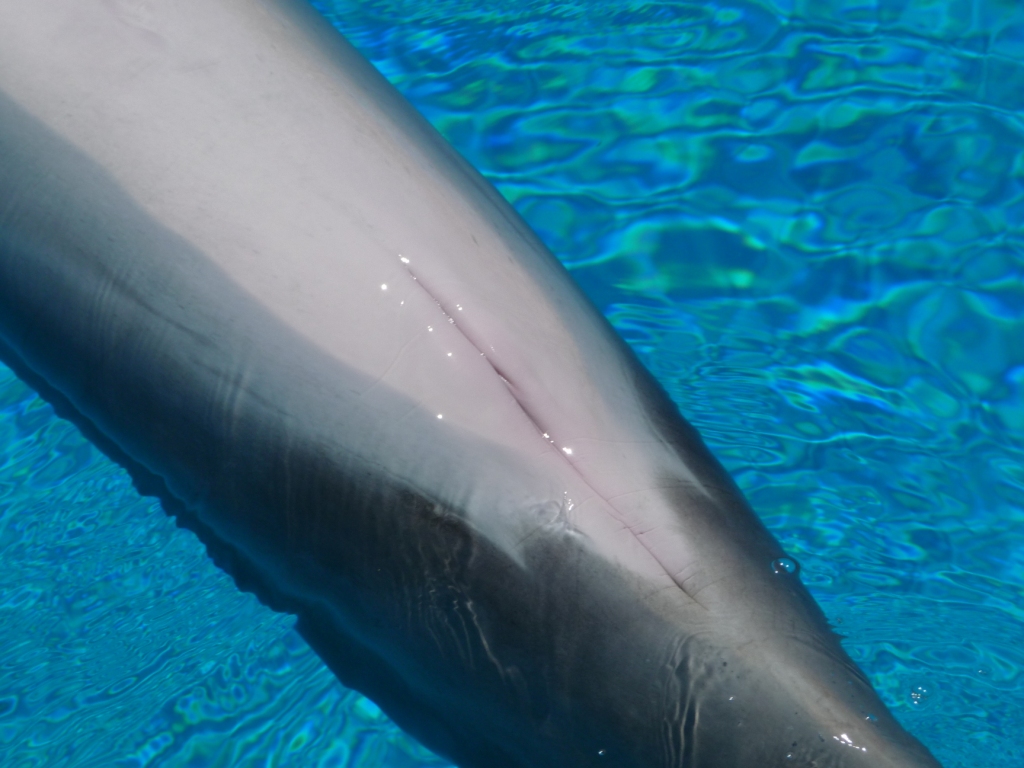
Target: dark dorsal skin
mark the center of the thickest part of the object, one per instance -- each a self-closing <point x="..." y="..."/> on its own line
<point x="260" y="280"/>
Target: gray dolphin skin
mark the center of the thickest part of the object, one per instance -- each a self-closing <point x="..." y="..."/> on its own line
<point x="260" y="280"/>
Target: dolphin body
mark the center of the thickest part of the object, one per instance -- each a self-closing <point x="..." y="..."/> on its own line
<point x="257" y="277"/>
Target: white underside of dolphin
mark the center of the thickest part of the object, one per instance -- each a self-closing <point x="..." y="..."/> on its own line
<point x="247" y="264"/>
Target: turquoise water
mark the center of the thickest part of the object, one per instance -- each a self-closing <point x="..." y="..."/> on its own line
<point x="808" y="219"/>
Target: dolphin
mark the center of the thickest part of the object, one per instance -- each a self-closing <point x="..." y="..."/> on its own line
<point x="259" y="279"/>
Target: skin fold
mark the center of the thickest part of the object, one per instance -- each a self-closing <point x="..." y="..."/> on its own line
<point x="256" y="277"/>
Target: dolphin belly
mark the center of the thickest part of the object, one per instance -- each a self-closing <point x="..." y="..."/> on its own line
<point x="264" y="283"/>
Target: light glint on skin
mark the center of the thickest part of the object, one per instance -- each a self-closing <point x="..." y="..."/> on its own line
<point x="383" y="286"/>
<point x="440" y="416"/>
<point x="568" y="451"/>
<point x="844" y="739"/>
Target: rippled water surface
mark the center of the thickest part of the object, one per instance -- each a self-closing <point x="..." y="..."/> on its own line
<point x="808" y="219"/>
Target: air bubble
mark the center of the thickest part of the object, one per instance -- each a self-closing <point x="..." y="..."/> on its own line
<point x="920" y="696"/>
<point x="785" y="565"/>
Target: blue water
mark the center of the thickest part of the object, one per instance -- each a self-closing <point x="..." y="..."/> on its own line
<point x="808" y="219"/>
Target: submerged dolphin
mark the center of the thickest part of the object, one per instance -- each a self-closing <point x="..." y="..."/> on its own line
<point x="257" y="277"/>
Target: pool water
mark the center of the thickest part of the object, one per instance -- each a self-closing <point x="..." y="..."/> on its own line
<point x="807" y="217"/>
